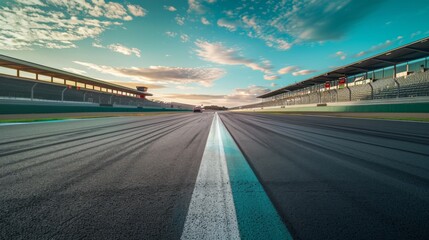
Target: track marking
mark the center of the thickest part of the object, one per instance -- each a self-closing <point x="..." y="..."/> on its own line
<point x="256" y="216"/>
<point x="211" y="213"/>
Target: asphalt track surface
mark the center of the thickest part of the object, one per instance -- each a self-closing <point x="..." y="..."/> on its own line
<point x="133" y="177"/>
<point x="336" y="178"/>
<point x="112" y="178"/>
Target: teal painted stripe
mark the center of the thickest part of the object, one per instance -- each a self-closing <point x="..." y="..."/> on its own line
<point x="257" y="218"/>
<point x="39" y="122"/>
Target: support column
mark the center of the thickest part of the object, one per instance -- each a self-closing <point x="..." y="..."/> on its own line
<point x="17" y="72"/>
<point x="336" y="94"/>
<point x="372" y="90"/>
<point x="62" y="94"/>
<point x="52" y="79"/>
<point x="348" y="88"/>
<point x="396" y="81"/>
<point x="37" y="76"/>
<point x="398" y="88"/>
<point x="84" y="95"/>
<point x="32" y="91"/>
<point x="394" y="71"/>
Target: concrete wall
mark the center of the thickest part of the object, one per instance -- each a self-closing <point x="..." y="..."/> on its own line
<point x="28" y="107"/>
<point x="414" y="105"/>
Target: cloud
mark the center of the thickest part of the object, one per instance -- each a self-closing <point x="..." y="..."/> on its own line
<point x="180" y="20"/>
<point x="119" y="48"/>
<point x="295" y="70"/>
<point x="161" y="74"/>
<point x="342" y="55"/>
<point x="271" y="77"/>
<point x="378" y="47"/>
<point x="205" y="21"/>
<point x="137" y="10"/>
<point x="287" y="70"/>
<point x="97" y="44"/>
<point x="31" y="2"/>
<point x="184" y="87"/>
<point x="239" y="96"/>
<point x="134" y="84"/>
<point x="278" y="43"/>
<point x="260" y="32"/>
<point x="74" y="70"/>
<point x="124" y="50"/>
<point x="217" y="53"/>
<point x="57" y="45"/>
<point x="195" y="6"/>
<point x="170" y="8"/>
<point x="303" y="72"/>
<point x="184" y="38"/>
<point x="273" y="84"/>
<point x="414" y="34"/>
<point x="322" y="20"/>
<point x="171" y="34"/>
<point x="111" y="10"/>
<point x="246" y="94"/>
<point x="58" y="23"/>
<point x="230" y="25"/>
<point x="198" y="97"/>
<point x="282" y="24"/>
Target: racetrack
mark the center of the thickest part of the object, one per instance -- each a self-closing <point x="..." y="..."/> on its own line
<point x="134" y="177"/>
<point x="338" y="178"/>
<point x="112" y="178"/>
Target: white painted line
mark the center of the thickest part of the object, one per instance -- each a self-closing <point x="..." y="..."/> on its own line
<point x="211" y="213"/>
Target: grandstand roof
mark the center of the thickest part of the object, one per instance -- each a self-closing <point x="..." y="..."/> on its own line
<point x="409" y="52"/>
<point x="9" y="62"/>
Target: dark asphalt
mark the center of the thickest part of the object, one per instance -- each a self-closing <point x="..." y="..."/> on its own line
<point x="133" y="177"/>
<point x="114" y="178"/>
<point x="334" y="178"/>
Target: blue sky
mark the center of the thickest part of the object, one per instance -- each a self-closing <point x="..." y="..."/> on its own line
<point x="206" y="51"/>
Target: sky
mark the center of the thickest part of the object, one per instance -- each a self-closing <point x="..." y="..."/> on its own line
<point x="220" y="52"/>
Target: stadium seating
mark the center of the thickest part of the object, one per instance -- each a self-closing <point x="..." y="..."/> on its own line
<point x="16" y="88"/>
<point x="73" y="95"/>
<point x="343" y="95"/>
<point x="11" y="88"/>
<point x="413" y="85"/>
<point x="361" y="92"/>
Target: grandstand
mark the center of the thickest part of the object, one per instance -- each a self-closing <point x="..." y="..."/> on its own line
<point x="399" y="73"/>
<point x="22" y="81"/>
